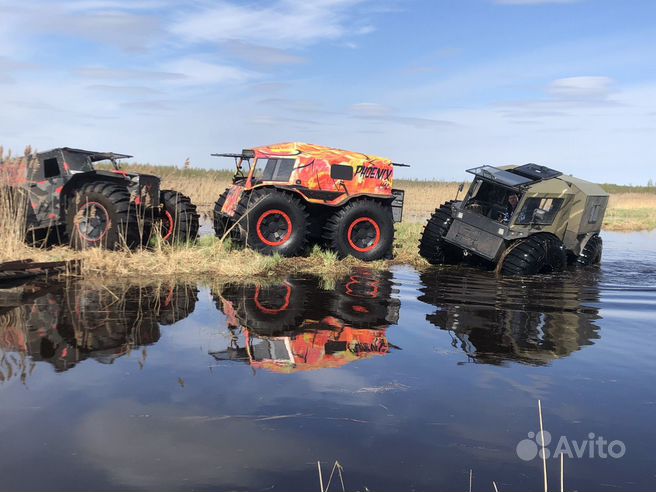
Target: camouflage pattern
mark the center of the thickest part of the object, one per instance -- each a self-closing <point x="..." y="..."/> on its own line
<point x="371" y="175"/>
<point x="51" y="178"/>
<point x="232" y="200"/>
<point x="578" y="218"/>
<point x="295" y="326"/>
<point x="64" y="324"/>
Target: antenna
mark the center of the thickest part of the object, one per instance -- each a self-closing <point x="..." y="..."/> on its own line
<point x="460" y="188"/>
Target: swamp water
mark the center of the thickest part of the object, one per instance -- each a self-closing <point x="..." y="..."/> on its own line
<point x="410" y="380"/>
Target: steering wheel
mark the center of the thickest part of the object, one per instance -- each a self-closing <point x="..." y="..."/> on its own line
<point x="475" y="207"/>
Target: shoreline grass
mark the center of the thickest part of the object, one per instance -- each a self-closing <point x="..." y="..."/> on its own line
<point x="210" y="257"/>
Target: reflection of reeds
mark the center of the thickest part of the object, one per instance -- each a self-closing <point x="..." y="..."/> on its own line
<point x="13" y="346"/>
<point x="107" y="320"/>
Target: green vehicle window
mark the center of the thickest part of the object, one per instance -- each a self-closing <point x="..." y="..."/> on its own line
<point x="549" y="207"/>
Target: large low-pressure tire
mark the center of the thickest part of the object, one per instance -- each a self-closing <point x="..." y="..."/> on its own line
<point x="101" y="215"/>
<point x="432" y="245"/>
<point x="540" y="253"/>
<point x="180" y="218"/>
<point x="591" y="254"/>
<point x="276" y="309"/>
<point x="363" y="229"/>
<point x="222" y="223"/>
<point x="273" y="222"/>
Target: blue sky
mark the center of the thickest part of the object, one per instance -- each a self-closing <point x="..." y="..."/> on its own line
<point x="443" y="85"/>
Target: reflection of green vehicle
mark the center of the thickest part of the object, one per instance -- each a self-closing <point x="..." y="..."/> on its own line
<point x="525" y="220"/>
<point x="497" y="321"/>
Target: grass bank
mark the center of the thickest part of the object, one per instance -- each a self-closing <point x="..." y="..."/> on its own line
<point x="210" y="257"/>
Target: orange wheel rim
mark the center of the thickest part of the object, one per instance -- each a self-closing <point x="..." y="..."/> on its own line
<point x="274" y="228"/>
<point x="363" y="234"/>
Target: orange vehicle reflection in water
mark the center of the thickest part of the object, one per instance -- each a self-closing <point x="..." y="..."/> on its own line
<point x="294" y="325"/>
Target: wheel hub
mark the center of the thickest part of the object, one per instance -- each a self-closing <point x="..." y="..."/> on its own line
<point x="274" y="228"/>
<point x="92" y="221"/>
<point x="364" y="234"/>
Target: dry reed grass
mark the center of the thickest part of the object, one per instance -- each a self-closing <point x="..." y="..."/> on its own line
<point x="627" y="211"/>
<point x="13" y="207"/>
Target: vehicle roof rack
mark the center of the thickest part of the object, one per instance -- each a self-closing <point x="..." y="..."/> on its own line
<point x="97" y="156"/>
<point x="535" y="172"/>
<point x="245" y="154"/>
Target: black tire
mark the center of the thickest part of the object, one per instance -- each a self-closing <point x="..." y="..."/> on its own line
<point x="432" y="245"/>
<point x="591" y="254"/>
<point x="222" y="223"/>
<point x="180" y="219"/>
<point x="108" y="202"/>
<point x="271" y="221"/>
<point x="277" y="309"/>
<point x="540" y="253"/>
<point x="363" y="229"/>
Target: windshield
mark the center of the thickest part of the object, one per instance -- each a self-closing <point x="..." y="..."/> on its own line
<point x="493" y="201"/>
<point x="273" y="169"/>
<point x="500" y="176"/>
<point x="78" y="162"/>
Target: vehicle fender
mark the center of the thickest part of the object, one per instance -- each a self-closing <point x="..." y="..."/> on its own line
<point x="78" y="180"/>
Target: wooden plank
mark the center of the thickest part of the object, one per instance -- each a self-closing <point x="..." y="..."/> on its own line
<point x="12" y="265"/>
<point x="13" y="270"/>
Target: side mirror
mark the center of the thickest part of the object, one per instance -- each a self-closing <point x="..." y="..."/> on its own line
<point x="461" y="187"/>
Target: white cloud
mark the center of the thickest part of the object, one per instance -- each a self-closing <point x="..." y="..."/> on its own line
<point x="262" y="55"/>
<point x="583" y="87"/>
<point x="198" y="72"/>
<point x="112" y="23"/>
<point x="105" y="73"/>
<point x="382" y="113"/>
<point x="370" y="110"/>
<point x="283" y="24"/>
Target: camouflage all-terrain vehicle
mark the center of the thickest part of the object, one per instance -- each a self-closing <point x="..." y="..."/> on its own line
<point x="69" y="200"/>
<point x="293" y="195"/>
<point x="524" y="220"/>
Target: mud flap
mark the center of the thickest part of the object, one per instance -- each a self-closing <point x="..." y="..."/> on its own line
<point x="232" y="199"/>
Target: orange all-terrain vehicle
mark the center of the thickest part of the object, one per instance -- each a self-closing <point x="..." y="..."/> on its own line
<point x="287" y="197"/>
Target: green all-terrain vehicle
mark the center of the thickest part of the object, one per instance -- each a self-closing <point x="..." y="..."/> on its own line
<point x="69" y="200"/>
<point x="524" y="219"/>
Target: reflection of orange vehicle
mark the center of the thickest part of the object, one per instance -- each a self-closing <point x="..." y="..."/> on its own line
<point x="312" y="350"/>
<point x="282" y="328"/>
<point x="295" y="194"/>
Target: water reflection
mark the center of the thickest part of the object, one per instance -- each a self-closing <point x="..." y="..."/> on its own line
<point x="64" y="324"/>
<point x="301" y="325"/>
<point x="532" y="321"/>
